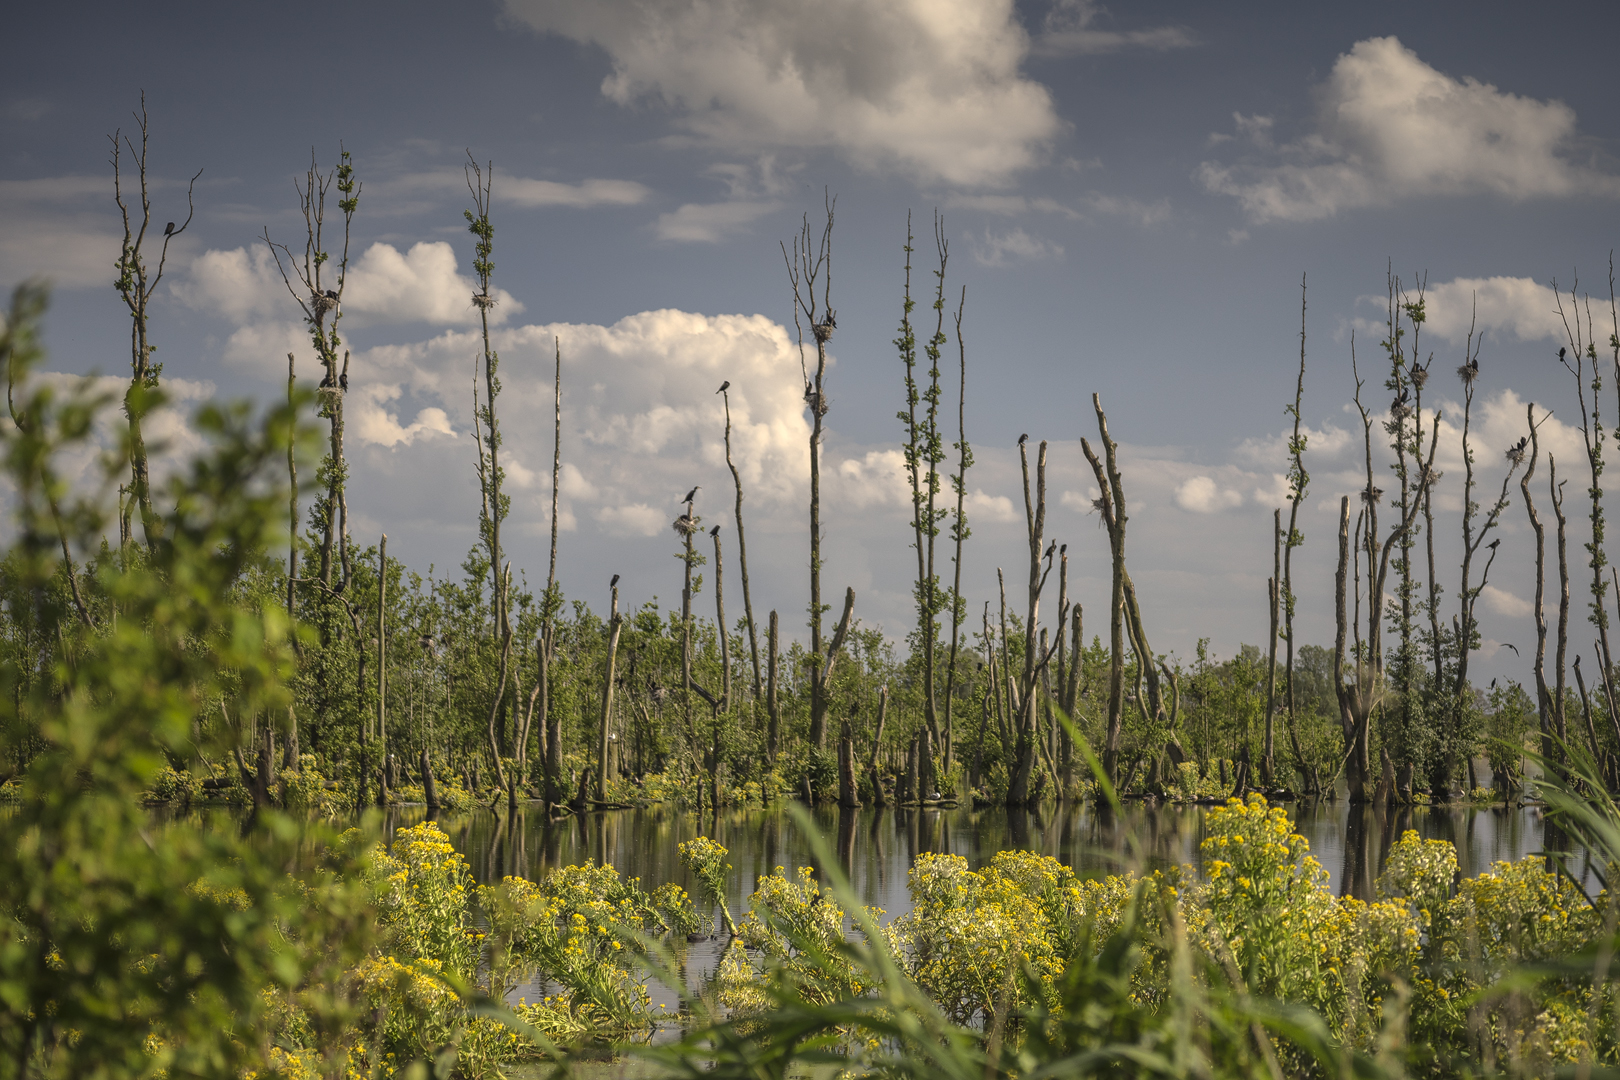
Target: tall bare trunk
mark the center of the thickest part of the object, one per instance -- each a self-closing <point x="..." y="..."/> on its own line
<point x="602" y="732"/>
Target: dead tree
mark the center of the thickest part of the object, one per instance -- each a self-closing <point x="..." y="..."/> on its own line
<point x="1040" y="565"/>
<point x="602" y="764"/>
<point x="136" y="284"/>
<point x="551" y="728"/>
<point x="959" y="531"/>
<point x="1546" y="704"/>
<point x="742" y="550"/>
<point x="320" y="297"/>
<point x="1298" y="483"/>
<point x="809" y="269"/>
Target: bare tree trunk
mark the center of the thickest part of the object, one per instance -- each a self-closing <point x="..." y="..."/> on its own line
<point x="959" y="532"/>
<point x="773" y="737"/>
<point x="549" y="725"/>
<point x="1269" y="752"/>
<point x="382" y="664"/>
<point x="1298" y="482"/>
<point x="742" y="553"/>
<point x="1559" y="722"/>
<point x="607" y="701"/>
<point x="1544" y="699"/>
<point x="877" y="744"/>
<point x="847" y="796"/>
<point x="807" y="265"/>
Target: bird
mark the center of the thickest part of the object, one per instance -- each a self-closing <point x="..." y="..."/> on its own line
<point x="724" y="387"/>
<point x="427" y="643"/>
<point x="1515" y="649"/>
<point x="615" y="582"/>
<point x="343" y="382"/>
<point x="326" y="383"/>
<point x="684" y="525"/>
<point x="1560" y="354"/>
<point x="1024" y="438"/>
<point x="1492" y="545"/>
<point x="715" y="531"/>
<point x="690" y="495"/>
<point x="168" y="230"/>
<point x="1493" y="684"/>
<point x="1063" y="550"/>
<point x="1050" y="548"/>
<point x="331" y="294"/>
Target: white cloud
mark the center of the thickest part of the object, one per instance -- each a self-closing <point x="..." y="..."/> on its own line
<point x="1520" y="306"/>
<point x="527" y="193"/>
<point x="1505" y="603"/>
<point x="58" y="228"/>
<point x="877" y="479"/>
<point x="1070" y="30"/>
<point x="1391" y="127"/>
<point x="1015" y="245"/>
<point x="384" y="284"/>
<point x="373" y="423"/>
<point x="637" y="519"/>
<point x="1201" y="495"/>
<point x="982" y="507"/>
<point x="711" y="222"/>
<point x="932" y="88"/>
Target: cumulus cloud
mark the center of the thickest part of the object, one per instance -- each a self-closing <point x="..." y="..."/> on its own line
<point x="1391" y="127"/>
<point x="1519" y="306"/>
<point x="1202" y="495"/>
<point x="1071" y="29"/>
<point x="384" y="284"/>
<point x="1013" y="246"/>
<point x="932" y="89"/>
<point x="1505" y="603"/>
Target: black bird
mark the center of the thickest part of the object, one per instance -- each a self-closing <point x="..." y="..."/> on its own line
<point x="1064" y="550"/>
<point x="1493" y="543"/>
<point x="715" y="531"/>
<point x="326" y="383"/>
<point x="343" y="382"/>
<point x="1022" y="439"/>
<point x="168" y="230"/>
<point x="1051" y="548"/>
<point x="690" y="495"/>
<point x="1515" y="649"/>
<point x="1493" y="684"/>
<point x="614" y="582"/>
<point x="331" y="294"/>
<point x="1560" y="354"/>
<point x="724" y="387"/>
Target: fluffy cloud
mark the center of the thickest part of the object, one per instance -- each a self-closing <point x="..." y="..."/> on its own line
<point x="1519" y="306"/>
<point x="1015" y="245"/>
<point x="384" y="284"/>
<point x="931" y="87"/>
<point x="1202" y="495"/>
<point x="1391" y="127"/>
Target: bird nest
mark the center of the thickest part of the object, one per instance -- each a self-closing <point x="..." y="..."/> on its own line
<point x="1468" y="373"/>
<point x="1372" y="494"/>
<point x="483" y="301"/>
<point x="823" y="330"/>
<point x="1420" y="375"/>
<point x="320" y="304"/>
<point x="684" y="525"/>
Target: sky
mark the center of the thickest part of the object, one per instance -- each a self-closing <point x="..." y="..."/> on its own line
<point x="1131" y="196"/>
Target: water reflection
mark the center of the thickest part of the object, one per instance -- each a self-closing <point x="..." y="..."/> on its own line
<point x="877" y="846"/>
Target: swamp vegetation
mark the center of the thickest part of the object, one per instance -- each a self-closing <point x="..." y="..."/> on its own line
<point x="237" y="645"/>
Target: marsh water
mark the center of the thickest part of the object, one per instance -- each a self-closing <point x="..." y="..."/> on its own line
<point x="876" y="846"/>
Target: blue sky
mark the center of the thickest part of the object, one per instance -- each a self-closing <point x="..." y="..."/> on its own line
<point x="1130" y="194"/>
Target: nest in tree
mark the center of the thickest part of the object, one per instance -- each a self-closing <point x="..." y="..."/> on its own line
<point x="1515" y="455"/>
<point x="817" y="403"/>
<point x="483" y="301"/>
<point x="1399" y="409"/>
<point x="320" y="304"/>
<point x="1468" y="372"/>
<point x="684" y="525"/>
<point x="823" y="330"/>
<point x="1372" y="494"/>
<point x="1420" y="375"/>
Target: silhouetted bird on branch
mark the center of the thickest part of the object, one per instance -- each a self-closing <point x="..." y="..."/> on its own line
<point x="168" y="230"/>
<point x="614" y="582"/>
<point x="715" y="531"/>
<point x="690" y="495"/>
<point x="724" y="387"/>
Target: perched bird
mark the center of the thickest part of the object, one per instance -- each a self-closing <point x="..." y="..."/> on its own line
<point x="331" y="294"/>
<point x="427" y="643"/>
<point x="1560" y="354"/>
<point x="343" y="382"/>
<point x="326" y="383"/>
<point x="690" y="495"/>
<point x="1492" y="545"/>
<point x="715" y="531"/>
<point x="724" y="387"/>
<point x="1493" y="684"/>
<point x="1050" y="548"/>
<point x="168" y="230"/>
<point x="1063" y="550"/>
<point x="614" y="582"/>
<point x="1024" y="438"/>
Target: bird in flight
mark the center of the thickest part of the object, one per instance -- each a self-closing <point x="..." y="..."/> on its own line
<point x="690" y="495"/>
<point x="724" y="387"/>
